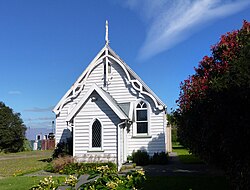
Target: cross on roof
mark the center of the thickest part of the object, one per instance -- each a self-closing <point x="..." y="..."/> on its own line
<point x="107" y="33"/>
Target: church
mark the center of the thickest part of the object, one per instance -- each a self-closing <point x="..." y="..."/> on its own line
<point x="109" y="112"/>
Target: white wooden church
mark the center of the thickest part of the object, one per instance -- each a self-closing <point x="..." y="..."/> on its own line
<point x="110" y="112"/>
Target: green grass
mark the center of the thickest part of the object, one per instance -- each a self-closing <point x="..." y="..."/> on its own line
<point x="21" y="182"/>
<point x="20" y="163"/>
<point x="27" y="153"/>
<point x="186" y="183"/>
<point x="16" y="164"/>
<point x="184" y="156"/>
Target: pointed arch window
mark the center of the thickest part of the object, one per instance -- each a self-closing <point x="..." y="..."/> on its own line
<point x="141" y="118"/>
<point x="96" y="134"/>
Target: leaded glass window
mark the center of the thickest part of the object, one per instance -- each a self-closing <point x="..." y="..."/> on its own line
<point x="142" y="118"/>
<point x="96" y="134"/>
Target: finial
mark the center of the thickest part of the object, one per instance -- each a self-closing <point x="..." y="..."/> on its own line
<point x="107" y="33"/>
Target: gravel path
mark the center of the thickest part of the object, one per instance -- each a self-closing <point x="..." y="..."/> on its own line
<point x="176" y="168"/>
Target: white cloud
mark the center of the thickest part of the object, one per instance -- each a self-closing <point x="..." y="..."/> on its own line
<point x="41" y="119"/>
<point x="14" y="92"/>
<point x="170" y="21"/>
<point x="44" y="124"/>
<point x="36" y="109"/>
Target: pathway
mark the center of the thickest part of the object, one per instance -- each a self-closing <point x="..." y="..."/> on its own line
<point x="176" y="168"/>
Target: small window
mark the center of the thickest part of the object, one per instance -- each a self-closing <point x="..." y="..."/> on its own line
<point x="38" y="137"/>
<point x="96" y="134"/>
<point x="141" y="118"/>
<point x="109" y="68"/>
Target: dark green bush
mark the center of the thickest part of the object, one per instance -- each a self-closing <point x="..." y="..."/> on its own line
<point x="159" y="158"/>
<point x="213" y="114"/>
<point x="141" y="158"/>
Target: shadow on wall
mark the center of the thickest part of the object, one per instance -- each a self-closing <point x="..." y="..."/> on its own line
<point x="65" y="135"/>
<point x="157" y="144"/>
<point x="66" y="141"/>
<point x="103" y="106"/>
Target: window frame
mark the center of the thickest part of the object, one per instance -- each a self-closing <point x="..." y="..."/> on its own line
<point x="135" y="133"/>
<point x="91" y="148"/>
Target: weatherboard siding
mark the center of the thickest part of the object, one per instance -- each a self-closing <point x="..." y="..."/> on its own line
<point x="83" y="120"/>
<point x="156" y="140"/>
<point x="61" y="125"/>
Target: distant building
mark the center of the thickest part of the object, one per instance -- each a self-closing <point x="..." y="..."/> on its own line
<point x="40" y="138"/>
<point x="31" y="133"/>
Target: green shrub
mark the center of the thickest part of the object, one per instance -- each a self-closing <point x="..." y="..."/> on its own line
<point x="159" y="158"/>
<point x="46" y="184"/>
<point x="66" y="165"/>
<point x="71" y="180"/>
<point x="111" y="180"/>
<point x="58" y="165"/>
<point x="27" y="145"/>
<point x="83" y="168"/>
<point x="174" y="134"/>
<point x="141" y="158"/>
<point x="49" y="168"/>
<point x="106" y="178"/>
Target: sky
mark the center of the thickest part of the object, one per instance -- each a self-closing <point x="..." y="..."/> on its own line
<point x="45" y="45"/>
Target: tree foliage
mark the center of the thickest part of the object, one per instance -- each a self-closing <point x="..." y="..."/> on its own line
<point x="12" y="130"/>
<point x="214" y="107"/>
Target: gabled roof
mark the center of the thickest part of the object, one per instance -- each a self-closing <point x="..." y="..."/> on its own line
<point x="105" y="96"/>
<point x="137" y="77"/>
<point x="133" y="78"/>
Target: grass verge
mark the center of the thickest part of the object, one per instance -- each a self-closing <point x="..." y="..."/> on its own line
<point x="186" y="183"/>
<point x="22" y="182"/>
<point x="20" y="163"/>
<point x="186" y="157"/>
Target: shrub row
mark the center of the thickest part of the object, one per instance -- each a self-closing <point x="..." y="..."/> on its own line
<point x="102" y="177"/>
<point x="66" y="165"/>
<point x="142" y="158"/>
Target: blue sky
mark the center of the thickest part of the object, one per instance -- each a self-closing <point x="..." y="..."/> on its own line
<point x="45" y="45"/>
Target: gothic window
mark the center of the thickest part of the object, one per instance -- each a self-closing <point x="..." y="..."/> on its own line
<point x="141" y="118"/>
<point x="96" y="134"/>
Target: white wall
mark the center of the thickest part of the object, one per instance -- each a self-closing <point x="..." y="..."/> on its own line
<point x="121" y="90"/>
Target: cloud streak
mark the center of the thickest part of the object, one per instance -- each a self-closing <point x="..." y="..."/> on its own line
<point x="14" y="92"/>
<point x="171" y="21"/>
<point x="36" y="109"/>
<point x="41" y="119"/>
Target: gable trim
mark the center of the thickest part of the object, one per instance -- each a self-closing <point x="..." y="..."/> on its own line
<point x="136" y="83"/>
<point x="137" y="80"/>
<point x="80" y="82"/>
<point x="104" y="96"/>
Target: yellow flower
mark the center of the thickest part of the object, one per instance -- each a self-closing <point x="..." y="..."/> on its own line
<point x="129" y="177"/>
<point x="112" y="185"/>
<point x="141" y="172"/>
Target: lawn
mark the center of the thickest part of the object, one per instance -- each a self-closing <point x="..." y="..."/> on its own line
<point x="186" y="183"/>
<point x="15" y="164"/>
<point x="21" y="182"/>
<point x="24" y="162"/>
<point x="184" y="155"/>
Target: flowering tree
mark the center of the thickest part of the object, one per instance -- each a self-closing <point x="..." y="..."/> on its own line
<point x="214" y="107"/>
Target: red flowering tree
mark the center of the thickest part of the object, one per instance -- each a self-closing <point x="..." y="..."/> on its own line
<point x="214" y="107"/>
